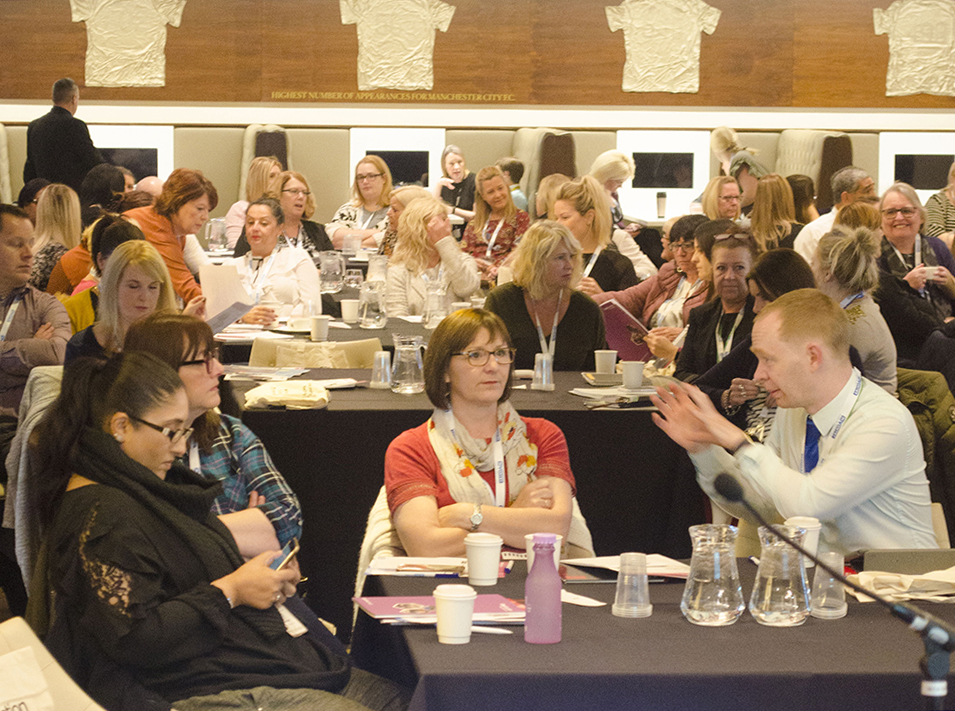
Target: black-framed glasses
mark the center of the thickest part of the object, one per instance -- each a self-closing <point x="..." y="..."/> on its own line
<point x="904" y="211"/>
<point x="208" y="360"/>
<point x="687" y="246"/>
<point x="479" y="357"/>
<point x="368" y="176"/>
<point x="172" y="435"/>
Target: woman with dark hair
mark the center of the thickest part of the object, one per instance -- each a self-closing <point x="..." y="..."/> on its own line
<point x="433" y="497"/>
<point x="804" y="198"/>
<point x="100" y="192"/>
<point x="256" y="503"/>
<point x="154" y="604"/>
<point x="497" y="226"/>
<point x="181" y="209"/>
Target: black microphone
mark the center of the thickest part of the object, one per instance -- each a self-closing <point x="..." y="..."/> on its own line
<point x="927" y="626"/>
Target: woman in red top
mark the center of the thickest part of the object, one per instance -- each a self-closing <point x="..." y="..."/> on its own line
<point x="476" y="465"/>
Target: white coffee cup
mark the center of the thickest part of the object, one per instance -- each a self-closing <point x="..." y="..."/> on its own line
<point x="320" y="327"/>
<point x="930" y="273"/>
<point x="812" y="526"/>
<point x="484" y="557"/>
<point x="529" y="546"/>
<point x="454" y="605"/>
<point x="605" y="361"/>
<point x="349" y="310"/>
<point x="632" y="374"/>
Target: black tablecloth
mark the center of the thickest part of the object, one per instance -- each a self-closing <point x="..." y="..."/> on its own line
<point x="635" y="486"/>
<point x="865" y="661"/>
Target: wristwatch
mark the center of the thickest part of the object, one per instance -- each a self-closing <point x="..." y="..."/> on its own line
<point x="476" y="517"/>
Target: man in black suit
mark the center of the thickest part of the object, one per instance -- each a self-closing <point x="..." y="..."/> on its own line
<point x="59" y="147"/>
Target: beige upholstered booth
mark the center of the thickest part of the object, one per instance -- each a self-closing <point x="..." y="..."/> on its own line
<point x="259" y="140"/>
<point x="6" y="191"/>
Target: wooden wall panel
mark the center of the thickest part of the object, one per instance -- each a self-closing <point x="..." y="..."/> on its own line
<point x="772" y="53"/>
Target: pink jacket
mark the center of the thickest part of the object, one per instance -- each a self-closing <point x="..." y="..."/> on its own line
<point x="645" y="298"/>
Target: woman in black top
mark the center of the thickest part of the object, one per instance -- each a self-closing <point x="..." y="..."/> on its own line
<point x="456" y="185"/>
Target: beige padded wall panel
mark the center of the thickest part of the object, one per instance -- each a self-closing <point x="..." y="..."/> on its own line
<point x="217" y="152"/>
<point x="482" y="147"/>
<point x="17" y="150"/>
<point x="865" y="153"/>
<point x="4" y="167"/>
<point x="322" y="155"/>
<point x="589" y="145"/>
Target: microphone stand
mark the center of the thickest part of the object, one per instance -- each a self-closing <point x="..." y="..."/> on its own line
<point x="937" y="636"/>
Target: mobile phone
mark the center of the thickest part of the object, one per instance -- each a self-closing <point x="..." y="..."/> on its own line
<point x="288" y="552"/>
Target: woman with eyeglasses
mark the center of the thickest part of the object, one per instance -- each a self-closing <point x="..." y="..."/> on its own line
<point x="476" y="465"/>
<point x="256" y="503"/>
<point x="365" y="217"/>
<point x="154" y="604"/>
<point x="298" y="204"/>
<point x="721" y="198"/>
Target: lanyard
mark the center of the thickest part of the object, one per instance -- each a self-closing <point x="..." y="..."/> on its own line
<point x="593" y="260"/>
<point x="498" y="493"/>
<point x="8" y="319"/>
<point x="553" y="330"/>
<point x="846" y="302"/>
<point x="371" y="216"/>
<point x="916" y="256"/>
<point x="260" y="275"/>
<point x="846" y="410"/>
<point x="194" y="463"/>
<point x="725" y="346"/>
<point x="490" y="244"/>
<point x="298" y="240"/>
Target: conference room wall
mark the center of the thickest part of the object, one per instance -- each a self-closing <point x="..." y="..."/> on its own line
<point x="764" y="53"/>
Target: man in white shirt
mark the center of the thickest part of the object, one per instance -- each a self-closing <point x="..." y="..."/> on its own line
<point x="848" y="185"/>
<point x="841" y="449"/>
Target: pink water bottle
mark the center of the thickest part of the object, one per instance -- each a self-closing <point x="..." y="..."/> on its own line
<point x="542" y="594"/>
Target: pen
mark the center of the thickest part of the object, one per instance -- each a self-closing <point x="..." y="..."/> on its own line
<point x="490" y="630"/>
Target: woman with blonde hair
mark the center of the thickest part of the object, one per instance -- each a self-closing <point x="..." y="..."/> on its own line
<point x="425" y="256"/>
<point x="456" y="186"/>
<point x="497" y="225"/>
<point x="721" y="198"/>
<point x="583" y="206"/>
<point x="541" y="308"/>
<point x="774" y="217"/>
<point x="365" y="216"/>
<point x="401" y="197"/>
<point x="58" y="228"/>
<point x="804" y="198"/>
<point x="134" y="284"/>
<point x="261" y="171"/>
<point x="546" y="196"/>
<point x="940" y="212"/>
<point x="612" y="169"/>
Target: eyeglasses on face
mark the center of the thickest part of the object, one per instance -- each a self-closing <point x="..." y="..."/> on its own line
<point x="682" y="246"/>
<point x="904" y="211"/>
<point x="296" y="191"/>
<point x="479" y="357"/>
<point x="368" y="176"/>
<point x="730" y="198"/>
<point x="741" y="236"/>
<point x="174" y="436"/>
<point x="208" y="360"/>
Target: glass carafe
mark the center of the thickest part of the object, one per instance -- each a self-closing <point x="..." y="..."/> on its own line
<point x="371" y="305"/>
<point x="407" y="371"/>
<point x="332" y="274"/>
<point x="713" y="596"/>
<point x="436" y="305"/>
<point x="780" y="596"/>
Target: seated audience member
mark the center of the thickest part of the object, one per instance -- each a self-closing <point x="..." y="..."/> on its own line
<point x="729" y="383"/>
<point x="804" y="198"/>
<point x="718" y="326"/>
<point x="849" y="185"/>
<point x="841" y="450"/>
<point x="427" y="256"/>
<point x="434" y="500"/>
<point x="261" y="171"/>
<point x="540" y="307"/>
<point x="36" y="327"/>
<point x="107" y="233"/>
<point x="940" y="212"/>
<point x="497" y="226"/>
<point x="154" y="605"/>
<point x="860" y="214"/>
<point x="547" y="191"/>
<point x="72" y="268"/>
<point x="129" y="180"/>
<point x="295" y="196"/>
<point x="663" y="302"/>
<point x="256" y="503"/>
<point x="401" y="197"/>
<point x="269" y="273"/>
<point x="513" y="171"/>
<point x="133" y="199"/>
<point x="582" y="206"/>
<point x="29" y="196"/>
<point x="721" y="198"/>
<point x="747" y="170"/>
<point x="456" y="186"/>
<point x="100" y="191"/>
<point x="57" y="231"/>
<point x="364" y="218"/>
<point x="181" y="209"/>
<point x="847" y="270"/>
<point x="150" y="184"/>
<point x="135" y="283"/>
<point x="773" y="219"/>
<point x="724" y="144"/>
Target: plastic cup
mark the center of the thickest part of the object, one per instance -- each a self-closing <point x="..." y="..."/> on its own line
<point x="349" y="310"/>
<point x="458" y="305"/>
<point x="633" y="593"/>
<point x="812" y="527"/>
<point x="454" y="605"/>
<point x="828" y="599"/>
<point x="484" y="557"/>
<point x="529" y="546"/>
<point x="605" y="361"/>
<point x="632" y="374"/>
<point x="320" y="327"/>
<point x="381" y="371"/>
<point x="543" y="372"/>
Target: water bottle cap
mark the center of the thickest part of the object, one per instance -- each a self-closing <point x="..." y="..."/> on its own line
<point x="545" y="538"/>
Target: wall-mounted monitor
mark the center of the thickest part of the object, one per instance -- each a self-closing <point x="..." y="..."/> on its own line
<point x="408" y="167"/>
<point x="920" y="159"/>
<point x="662" y="170"/>
<point x="410" y="153"/>
<point x="145" y="150"/>
<point x="141" y="161"/>
<point x="923" y="172"/>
